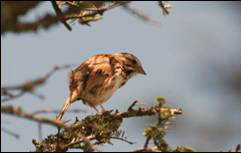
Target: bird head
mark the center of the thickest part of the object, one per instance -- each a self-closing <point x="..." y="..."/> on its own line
<point x="131" y="63"/>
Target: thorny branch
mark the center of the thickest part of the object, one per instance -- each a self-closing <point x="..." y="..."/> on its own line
<point x="83" y="11"/>
<point x="101" y="128"/>
<point x="96" y="129"/>
<point x="157" y="132"/>
<point x="12" y="92"/>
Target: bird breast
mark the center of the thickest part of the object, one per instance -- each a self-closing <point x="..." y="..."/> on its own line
<point x="99" y="94"/>
<point x="110" y="86"/>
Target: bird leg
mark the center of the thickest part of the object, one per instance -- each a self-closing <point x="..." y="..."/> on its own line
<point x="64" y="108"/>
<point x="96" y="109"/>
<point x="102" y="107"/>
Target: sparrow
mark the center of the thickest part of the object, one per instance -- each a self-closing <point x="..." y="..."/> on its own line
<point x="97" y="79"/>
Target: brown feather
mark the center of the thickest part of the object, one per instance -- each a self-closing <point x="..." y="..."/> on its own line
<point x="97" y="78"/>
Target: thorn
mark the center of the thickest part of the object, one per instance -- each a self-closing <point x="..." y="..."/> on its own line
<point x="132" y="105"/>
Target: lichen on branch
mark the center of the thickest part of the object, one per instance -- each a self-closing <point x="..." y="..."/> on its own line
<point x="100" y="128"/>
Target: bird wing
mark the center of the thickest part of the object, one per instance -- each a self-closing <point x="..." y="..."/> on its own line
<point x="91" y="73"/>
<point x="99" y="72"/>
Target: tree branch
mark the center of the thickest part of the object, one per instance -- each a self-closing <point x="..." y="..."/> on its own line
<point x="17" y="112"/>
<point x="102" y="128"/>
<point x="56" y="111"/>
<point x="8" y="92"/>
<point x="141" y="15"/>
<point x="60" y="15"/>
<point x="84" y="12"/>
<point x="10" y="133"/>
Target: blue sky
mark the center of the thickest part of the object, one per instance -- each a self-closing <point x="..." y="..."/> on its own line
<point x="186" y="60"/>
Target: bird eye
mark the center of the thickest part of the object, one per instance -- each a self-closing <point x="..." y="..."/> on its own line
<point x="129" y="71"/>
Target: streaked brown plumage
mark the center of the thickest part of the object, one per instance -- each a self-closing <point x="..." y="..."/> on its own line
<point x="96" y="79"/>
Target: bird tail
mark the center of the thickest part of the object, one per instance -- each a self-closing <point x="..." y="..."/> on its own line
<point x="64" y="109"/>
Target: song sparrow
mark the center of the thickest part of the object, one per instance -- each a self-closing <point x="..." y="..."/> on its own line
<point x="96" y="79"/>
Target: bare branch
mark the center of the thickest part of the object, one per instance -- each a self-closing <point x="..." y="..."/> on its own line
<point x="16" y="111"/>
<point x="60" y="15"/>
<point x="122" y="139"/>
<point x="141" y="15"/>
<point x="12" y="10"/>
<point x="147" y="142"/>
<point x="81" y="12"/>
<point x="57" y="111"/>
<point x="8" y="92"/>
<point x="10" y="133"/>
<point x="132" y="105"/>
<point x="10" y="96"/>
<point x="165" y="7"/>
<point x="238" y="148"/>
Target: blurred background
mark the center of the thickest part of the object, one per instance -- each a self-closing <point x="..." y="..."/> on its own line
<point x="193" y="59"/>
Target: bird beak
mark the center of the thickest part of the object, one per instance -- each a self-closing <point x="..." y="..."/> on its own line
<point x="142" y="71"/>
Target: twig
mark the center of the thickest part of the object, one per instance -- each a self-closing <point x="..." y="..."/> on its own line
<point x="141" y="15"/>
<point x="165" y="7"/>
<point x="10" y="133"/>
<point x="238" y="148"/>
<point x="49" y="20"/>
<point x="132" y="105"/>
<point x="16" y="11"/>
<point x="114" y="5"/>
<point x="16" y="111"/>
<point x="57" y="111"/>
<point x="28" y="87"/>
<point x="118" y="138"/>
<point x="11" y="96"/>
<point x="60" y="15"/>
<point x="147" y="142"/>
<point x="92" y="11"/>
<point x="147" y="112"/>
